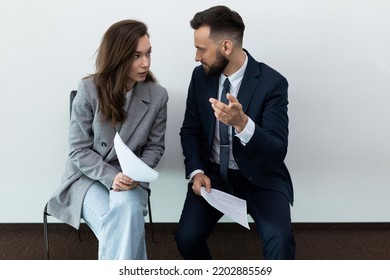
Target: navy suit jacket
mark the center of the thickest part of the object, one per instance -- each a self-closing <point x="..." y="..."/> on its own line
<point x="264" y="98"/>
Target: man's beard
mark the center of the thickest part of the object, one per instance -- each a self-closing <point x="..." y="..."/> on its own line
<point x="218" y="66"/>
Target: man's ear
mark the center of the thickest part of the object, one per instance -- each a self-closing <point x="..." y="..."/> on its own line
<point x="227" y="47"/>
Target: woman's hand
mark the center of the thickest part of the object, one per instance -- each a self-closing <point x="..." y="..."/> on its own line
<point x="123" y="183"/>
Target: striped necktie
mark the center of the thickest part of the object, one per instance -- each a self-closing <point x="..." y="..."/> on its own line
<point x="224" y="140"/>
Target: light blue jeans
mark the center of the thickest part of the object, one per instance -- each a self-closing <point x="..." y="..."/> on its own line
<point x="118" y="221"/>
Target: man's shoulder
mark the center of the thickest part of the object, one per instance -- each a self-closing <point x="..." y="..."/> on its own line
<point x="264" y="69"/>
<point x="199" y="71"/>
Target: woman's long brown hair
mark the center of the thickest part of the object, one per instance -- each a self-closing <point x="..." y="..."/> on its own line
<point x="113" y="63"/>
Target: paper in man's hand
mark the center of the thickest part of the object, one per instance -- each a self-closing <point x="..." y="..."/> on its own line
<point x="231" y="206"/>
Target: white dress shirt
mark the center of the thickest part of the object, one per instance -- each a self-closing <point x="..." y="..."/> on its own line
<point x="245" y="135"/>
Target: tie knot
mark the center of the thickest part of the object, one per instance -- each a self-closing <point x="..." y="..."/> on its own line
<point x="226" y="84"/>
<point x="225" y="90"/>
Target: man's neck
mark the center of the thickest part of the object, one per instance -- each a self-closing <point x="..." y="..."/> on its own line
<point x="236" y="60"/>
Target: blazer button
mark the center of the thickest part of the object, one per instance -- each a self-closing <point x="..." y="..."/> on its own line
<point x="104" y="144"/>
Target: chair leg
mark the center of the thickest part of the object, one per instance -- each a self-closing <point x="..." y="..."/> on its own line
<point x="78" y="234"/>
<point x="45" y="233"/>
<point x="151" y="220"/>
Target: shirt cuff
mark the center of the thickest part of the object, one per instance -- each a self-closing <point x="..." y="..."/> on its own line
<point x="246" y="135"/>
<point x="193" y="173"/>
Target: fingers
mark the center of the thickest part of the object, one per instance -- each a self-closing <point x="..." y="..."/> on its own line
<point x="220" y="109"/>
<point x="230" y="97"/>
<point x="123" y="182"/>
<point x="201" y="180"/>
<point x="228" y="114"/>
<point x="125" y="179"/>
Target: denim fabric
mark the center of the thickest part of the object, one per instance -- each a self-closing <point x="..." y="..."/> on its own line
<point x="117" y="220"/>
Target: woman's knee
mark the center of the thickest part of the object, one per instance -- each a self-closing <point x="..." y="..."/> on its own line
<point x="132" y="201"/>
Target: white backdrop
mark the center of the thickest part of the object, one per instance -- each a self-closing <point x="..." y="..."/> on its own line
<point x="335" y="55"/>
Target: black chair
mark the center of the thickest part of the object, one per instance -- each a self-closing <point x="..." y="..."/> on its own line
<point x="45" y="213"/>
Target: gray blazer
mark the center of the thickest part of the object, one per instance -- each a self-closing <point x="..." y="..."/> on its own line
<point x="92" y="156"/>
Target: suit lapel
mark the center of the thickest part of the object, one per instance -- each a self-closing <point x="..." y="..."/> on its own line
<point x="249" y="83"/>
<point x="211" y="90"/>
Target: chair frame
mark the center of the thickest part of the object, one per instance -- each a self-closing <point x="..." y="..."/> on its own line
<point x="46" y="228"/>
<point x="46" y="214"/>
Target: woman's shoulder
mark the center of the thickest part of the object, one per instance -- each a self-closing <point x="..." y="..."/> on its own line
<point x="87" y="87"/>
<point x="155" y="86"/>
<point x="155" y="89"/>
<point x="87" y="92"/>
<point x="88" y="83"/>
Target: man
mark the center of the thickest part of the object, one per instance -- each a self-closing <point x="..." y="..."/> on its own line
<point x="250" y="165"/>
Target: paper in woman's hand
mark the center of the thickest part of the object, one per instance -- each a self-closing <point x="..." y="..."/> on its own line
<point x="131" y="165"/>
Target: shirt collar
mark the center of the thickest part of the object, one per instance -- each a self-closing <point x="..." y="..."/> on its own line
<point x="237" y="76"/>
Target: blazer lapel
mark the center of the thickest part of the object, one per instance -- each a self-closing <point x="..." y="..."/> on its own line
<point x="249" y="83"/>
<point x="138" y="106"/>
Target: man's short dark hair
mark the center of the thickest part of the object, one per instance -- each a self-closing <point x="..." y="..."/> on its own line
<point x="222" y="22"/>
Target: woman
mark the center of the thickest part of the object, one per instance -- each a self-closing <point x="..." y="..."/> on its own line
<point x="122" y="96"/>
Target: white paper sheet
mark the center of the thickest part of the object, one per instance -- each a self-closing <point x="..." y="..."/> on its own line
<point x="131" y="165"/>
<point x="231" y="206"/>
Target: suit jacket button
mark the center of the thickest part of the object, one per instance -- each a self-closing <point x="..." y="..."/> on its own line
<point x="104" y="144"/>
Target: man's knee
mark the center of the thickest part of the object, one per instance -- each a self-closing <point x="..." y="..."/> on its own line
<point x="278" y="243"/>
<point x="184" y="239"/>
<point x="191" y="246"/>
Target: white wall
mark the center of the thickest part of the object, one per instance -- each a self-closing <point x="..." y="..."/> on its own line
<point x="335" y="54"/>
